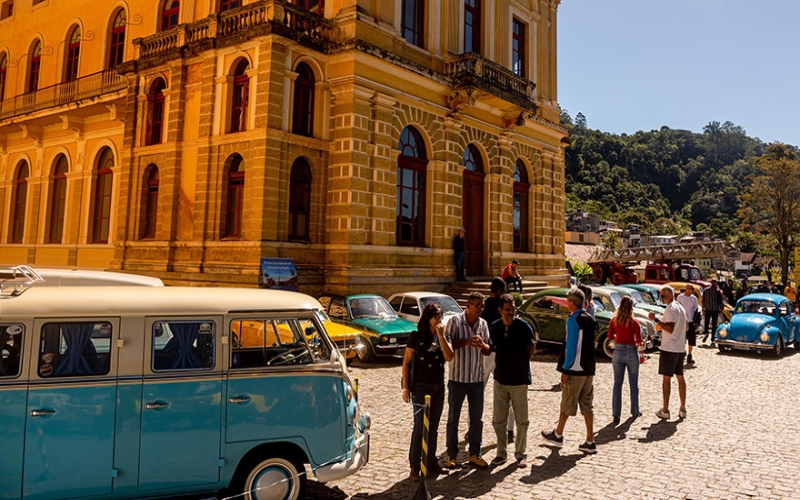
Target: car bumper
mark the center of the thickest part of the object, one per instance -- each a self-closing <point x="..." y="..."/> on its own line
<point x="745" y="346"/>
<point x="358" y="459"/>
<point x="398" y="349"/>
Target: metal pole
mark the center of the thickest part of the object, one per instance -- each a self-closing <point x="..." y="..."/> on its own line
<point x="423" y="466"/>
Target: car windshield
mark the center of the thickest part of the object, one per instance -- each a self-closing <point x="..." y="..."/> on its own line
<point x="756" y="307"/>
<point x="598" y="303"/>
<point x="615" y="299"/>
<point x="448" y="304"/>
<point x="694" y="274"/>
<point x="371" y="307"/>
<point x="650" y="296"/>
<point x="322" y="316"/>
<point x="637" y="298"/>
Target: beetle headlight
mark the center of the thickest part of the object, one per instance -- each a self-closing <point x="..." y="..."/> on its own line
<point x="723" y="333"/>
<point x="765" y="335"/>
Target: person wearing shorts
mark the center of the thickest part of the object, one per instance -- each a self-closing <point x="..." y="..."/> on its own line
<point x="577" y="367"/>
<point x="690" y="305"/>
<point x="673" y="340"/>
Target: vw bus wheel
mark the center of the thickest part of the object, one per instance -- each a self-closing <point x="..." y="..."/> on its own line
<point x="275" y="478"/>
<point x="607" y="349"/>
<point x="778" y="347"/>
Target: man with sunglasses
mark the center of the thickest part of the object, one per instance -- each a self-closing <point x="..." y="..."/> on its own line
<point x="469" y="335"/>
<point x="673" y="338"/>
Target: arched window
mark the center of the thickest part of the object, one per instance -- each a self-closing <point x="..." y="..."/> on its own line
<point x="303" y="106"/>
<point x="101" y="222"/>
<point x="472" y="26"/>
<point x="169" y="16"/>
<point x="155" y="100"/>
<point x="411" y="166"/>
<point x="58" y="198"/>
<point x="521" y="188"/>
<point x="299" y="200"/>
<point x="73" y="55"/>
<point x="233" y="219"/>
<point x="412" y="21"/>
<point x="33" y="70"/>
<point x="3" y="69"/>
<point x="151" y="203"/>
<point x="20" y="197"/>
<point x="241" y="94"/>
<point x="313" y="6"/>
<point x="229" y="4"/>
<point x="117" y="48"/>
<point x="473" y="159"/>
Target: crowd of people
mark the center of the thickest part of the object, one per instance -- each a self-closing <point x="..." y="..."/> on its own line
<point x="487" y="339"/>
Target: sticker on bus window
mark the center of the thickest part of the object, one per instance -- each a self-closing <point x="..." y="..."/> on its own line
<point x="46" y="370"/>
<point x="47" y="357"/>
<point x="14" y="330"/>
<point x="205" y="328"/>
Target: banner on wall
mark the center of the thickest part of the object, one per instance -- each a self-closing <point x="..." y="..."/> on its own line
<point x="278" y="274"/>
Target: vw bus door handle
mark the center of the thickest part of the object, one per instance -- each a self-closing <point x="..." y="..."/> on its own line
<point x="155" y="406"/>
<point x="42" y="413"/>
<point x="239" y="400"/>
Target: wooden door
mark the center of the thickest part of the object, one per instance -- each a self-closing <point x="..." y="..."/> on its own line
<point x="472" y="214"/>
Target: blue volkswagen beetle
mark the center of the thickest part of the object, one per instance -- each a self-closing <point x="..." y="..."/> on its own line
<point x="761" y="322"/>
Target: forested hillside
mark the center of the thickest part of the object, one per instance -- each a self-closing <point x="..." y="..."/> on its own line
<point x="669" y="180"/>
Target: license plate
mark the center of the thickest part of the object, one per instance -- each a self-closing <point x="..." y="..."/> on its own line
<point x="740" y="345"/>
<point x="392" y="341"/>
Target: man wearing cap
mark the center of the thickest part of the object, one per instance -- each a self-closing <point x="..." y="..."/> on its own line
<point x="458" y="253"/>
<point x="512" y="277"/>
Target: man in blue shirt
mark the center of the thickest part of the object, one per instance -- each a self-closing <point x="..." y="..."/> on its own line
<point x="577" y="367"/>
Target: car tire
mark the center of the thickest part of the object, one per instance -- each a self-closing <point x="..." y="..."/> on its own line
<point x="367" y="354"/>
<point x="274" y="477"/>
<point x="723" y="349"/>
<point x="606" y="347"/>
<point x="778" y="351"/>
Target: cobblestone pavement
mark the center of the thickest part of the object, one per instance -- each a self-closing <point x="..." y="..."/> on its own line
<point x="738" y="442"/>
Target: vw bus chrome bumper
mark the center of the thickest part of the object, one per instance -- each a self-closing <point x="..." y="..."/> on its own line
<point x="359" y="456"/>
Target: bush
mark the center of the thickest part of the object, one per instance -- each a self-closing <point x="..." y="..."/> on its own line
<point x="517" y="299"/>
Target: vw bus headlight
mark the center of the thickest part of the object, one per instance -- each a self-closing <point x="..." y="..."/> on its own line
<point x="723" y="333"/>
<point x="765" y="335"/>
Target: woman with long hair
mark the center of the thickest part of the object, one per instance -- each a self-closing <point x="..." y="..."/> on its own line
<point x="625" y="331"/>
<point x="427" y="350"/>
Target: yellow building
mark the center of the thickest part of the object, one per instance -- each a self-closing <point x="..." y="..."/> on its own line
<point x="187" y="139"/>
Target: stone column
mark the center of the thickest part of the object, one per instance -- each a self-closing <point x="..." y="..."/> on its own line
<point x="383" y="163"/>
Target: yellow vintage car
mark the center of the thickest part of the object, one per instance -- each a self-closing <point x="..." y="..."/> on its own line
<point x="252" y="334"/>
<point x="680" y="287"/>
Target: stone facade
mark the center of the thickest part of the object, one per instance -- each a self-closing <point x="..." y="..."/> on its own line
<point x="369" y="85"/>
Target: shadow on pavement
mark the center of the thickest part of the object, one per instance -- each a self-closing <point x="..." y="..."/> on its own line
<point x="611" y="432"/>
<point x="378" y="363"/>
<point x="661" y="430"/>
<point x="554" y="465"/>
<point x="555" y="388"/>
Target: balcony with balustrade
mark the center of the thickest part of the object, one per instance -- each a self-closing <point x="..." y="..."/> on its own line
<point x="234" y="26"/>
<point x="473" y="71"/>
<point x="79" y="97"/>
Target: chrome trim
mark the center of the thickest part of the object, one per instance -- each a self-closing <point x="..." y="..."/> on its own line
<point x="155" y="406"/>
<point x="750" y="345"/>
<point x="239" y="400"/>
<point x="42" y="413"/>
<point x="359" y="456"/>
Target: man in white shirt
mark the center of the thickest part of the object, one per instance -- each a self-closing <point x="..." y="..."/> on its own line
<point x="689" y="303"/>
<point x="673" y="338"/>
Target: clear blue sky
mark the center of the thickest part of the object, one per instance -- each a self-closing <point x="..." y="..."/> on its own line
<point x="632" y="65"/>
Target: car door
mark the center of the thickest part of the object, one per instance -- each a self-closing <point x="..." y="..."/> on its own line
<point x="69" y="434"/>
<point x="787" y="320"/>
<point x="14" y="355"/>
<point x="410" y="309"/>
<point x="181" y="414"/>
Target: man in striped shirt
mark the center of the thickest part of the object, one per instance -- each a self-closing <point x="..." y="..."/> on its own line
<point x="469" y="335"/>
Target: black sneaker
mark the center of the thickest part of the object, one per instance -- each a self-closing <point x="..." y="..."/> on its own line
<point x="552" y="438"/>
<point x="510" y="437"/>
<point x="588" y="448"/>
<point x="705" y="337"/>
<point x="689" y="359"/>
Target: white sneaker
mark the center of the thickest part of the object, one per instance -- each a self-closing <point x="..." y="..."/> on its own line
<point x="682" y="413"/>
<point x="663" y="414"/>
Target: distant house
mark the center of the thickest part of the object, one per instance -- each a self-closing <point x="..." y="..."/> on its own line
<point x="663" y="240"/>
<point x="741" y="266"/>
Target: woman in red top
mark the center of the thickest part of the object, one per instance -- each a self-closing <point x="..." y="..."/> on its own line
<point x="625" y="331"/>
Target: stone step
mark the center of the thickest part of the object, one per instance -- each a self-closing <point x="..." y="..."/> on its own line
<point x="460" y="290"/>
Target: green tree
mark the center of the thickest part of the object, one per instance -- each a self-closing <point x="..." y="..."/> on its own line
<point x="612" y="240"/>
<point x="770" y="203"/>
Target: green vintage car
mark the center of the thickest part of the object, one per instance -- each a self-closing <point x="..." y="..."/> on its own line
<point x="547" y="313"/>
<point x="384" y="333"/>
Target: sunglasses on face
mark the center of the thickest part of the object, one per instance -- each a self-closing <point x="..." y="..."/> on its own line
<point x="479" y="305"/>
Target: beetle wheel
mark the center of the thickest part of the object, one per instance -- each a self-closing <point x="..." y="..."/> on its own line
<point x="607" y="349"/>
<point x="275" y="478"/>
<point x="778" y="347"/>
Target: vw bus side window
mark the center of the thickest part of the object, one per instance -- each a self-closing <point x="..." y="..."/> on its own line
<point x="183" y="345"/>
<point x="264" y="343"/>
<point x="75" y="349"/>
<point x="10" y="350"/>
<point x="316" y="341"/>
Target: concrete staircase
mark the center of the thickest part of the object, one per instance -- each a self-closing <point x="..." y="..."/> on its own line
<point x="460" y="290"/>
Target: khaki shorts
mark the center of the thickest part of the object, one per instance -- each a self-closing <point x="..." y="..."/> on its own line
<point x="577" y="391"/>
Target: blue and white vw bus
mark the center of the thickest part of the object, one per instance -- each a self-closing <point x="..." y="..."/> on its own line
<point x="131" y="392"/>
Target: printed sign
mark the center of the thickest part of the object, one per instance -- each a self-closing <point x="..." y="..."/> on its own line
<point x="278" y="274"/>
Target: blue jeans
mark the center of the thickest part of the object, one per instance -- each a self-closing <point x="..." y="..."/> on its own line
<point x="418" y="393"/>
<point x="626" y="356"/>
<point x="461" y="259"/>
<point x="456" y="393"/>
